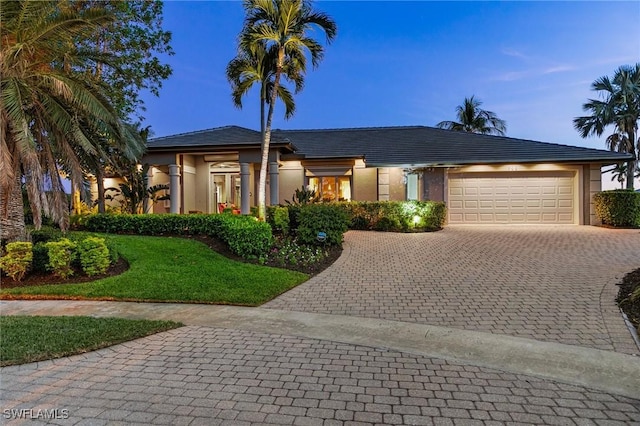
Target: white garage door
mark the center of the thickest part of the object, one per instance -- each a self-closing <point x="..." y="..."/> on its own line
<point x="513" y="197"/>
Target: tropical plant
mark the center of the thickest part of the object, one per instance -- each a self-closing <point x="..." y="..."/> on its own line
<point x="473" y="119"/>
<point x="50" y="107"/>
<point x="282" y="26"/>
<point x="304" y="195"/>
<point x="258" y="66"/>
<point x="619" y="173"/>
<point x="137" y="37"/>
<point x="618" y="106"/>
<point x="135" y="192"/>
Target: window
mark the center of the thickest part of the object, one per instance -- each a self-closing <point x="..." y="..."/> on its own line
<point x="332" y="188"/>
<point x="412" y="186"/>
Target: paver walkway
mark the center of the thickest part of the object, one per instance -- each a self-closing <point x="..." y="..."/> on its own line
<point x="548" y="283"/>
<point x="209" y="376"/>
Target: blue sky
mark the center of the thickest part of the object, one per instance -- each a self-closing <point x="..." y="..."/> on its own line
<point x="411" y="63"/>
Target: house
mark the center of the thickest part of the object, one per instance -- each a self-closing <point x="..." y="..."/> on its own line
<point x="482" y="179"/>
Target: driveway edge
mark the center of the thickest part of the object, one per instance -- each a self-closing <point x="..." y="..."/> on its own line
<point x="603" y="370"/>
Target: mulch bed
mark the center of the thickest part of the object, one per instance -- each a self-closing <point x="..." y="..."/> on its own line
<point x="122" y="265"/>
<point x="78" y="277"/>
<point x="629" y="283"/>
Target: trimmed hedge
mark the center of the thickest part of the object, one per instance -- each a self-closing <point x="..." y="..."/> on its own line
<point x="619" y="207"/>
<point x="245" y="236"/>
<point x="395" y="216"/>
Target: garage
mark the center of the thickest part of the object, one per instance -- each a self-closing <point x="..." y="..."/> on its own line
<point x="512" y="197"/>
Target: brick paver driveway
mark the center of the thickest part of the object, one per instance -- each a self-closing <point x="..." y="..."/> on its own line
<point x="552" y="283"/>
<point x="212" y="376"/>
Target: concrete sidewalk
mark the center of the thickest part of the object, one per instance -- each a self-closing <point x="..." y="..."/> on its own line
<point x="603" y="370"/>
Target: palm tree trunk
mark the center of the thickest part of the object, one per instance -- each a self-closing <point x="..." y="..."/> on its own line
<point x="266" y="140"/>
<point x="100" y="185"/>
<point x="12" y="227"/>
<point x="631" y="165"/>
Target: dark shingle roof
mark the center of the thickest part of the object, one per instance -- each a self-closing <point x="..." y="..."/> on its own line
<point x="216" y="137"/>
<point x="392" y="146"/>
<point x="421" y="145"/>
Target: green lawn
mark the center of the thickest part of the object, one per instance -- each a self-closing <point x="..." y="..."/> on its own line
<point x="28" y="339"/>
<point x="175" y="270"/>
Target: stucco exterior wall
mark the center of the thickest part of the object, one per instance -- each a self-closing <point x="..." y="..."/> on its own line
<point x="595" y="185"/>
<point x="202" y="188"/>
<point x="188" y="183"/>
<point x="291" y="178"/>
<point x="159" y="176"/>
<point x="433" y="184"/>
<point x="364" y="183"/>
<point x="397" y="186"/>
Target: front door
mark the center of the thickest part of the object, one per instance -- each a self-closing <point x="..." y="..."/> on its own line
<point x="225" y="191"/>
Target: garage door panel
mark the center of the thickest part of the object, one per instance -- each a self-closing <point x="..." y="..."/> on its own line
<point x="565" y="218"/>
<point x="516" y="203"/>
<point x="487" y="204"/>
<point x="455" y="191"/>
<point x="512" y="197"/>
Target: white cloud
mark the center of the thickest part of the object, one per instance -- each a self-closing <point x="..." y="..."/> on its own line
<point x="559" y="68"/>
<point x="514" y="53"/>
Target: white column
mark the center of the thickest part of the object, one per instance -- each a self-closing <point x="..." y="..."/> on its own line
<point x="273" y="183"/>
<point x="174" y="188"/>
<point x="245" y="208"/>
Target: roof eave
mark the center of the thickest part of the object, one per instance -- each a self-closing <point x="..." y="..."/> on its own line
<point x="459" y="163"/>
<point x="227" y="147"/>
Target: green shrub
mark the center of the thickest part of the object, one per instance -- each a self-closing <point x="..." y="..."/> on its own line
<point x="17" y="260"/>
<point x="155" y="224"/>
<point x="246" y="236"/>
<point x="294" y="216"/>
<point x="235" y="230"/>
<point x="396" y="216"/>
<point x="620" y="207"/>
<point x="281" y="219"/>
<point x="94" y="256"/>
<point x="328" y="218"/>
<point x="78" y="222"/>
<point x="40" y="263"/>
<point x="386" y="223"/>
<point x="61" y="255"/>
<point x="45" y="234"/>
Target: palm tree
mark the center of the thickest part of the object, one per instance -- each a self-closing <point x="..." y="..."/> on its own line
<point x="619" y="106"/>
<point x="46" y="106"/>
<point x="282" y="26"/>
<point x="258" y="66"/>
<point x="473" y="119"/>
<point x="619" y="173"/>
